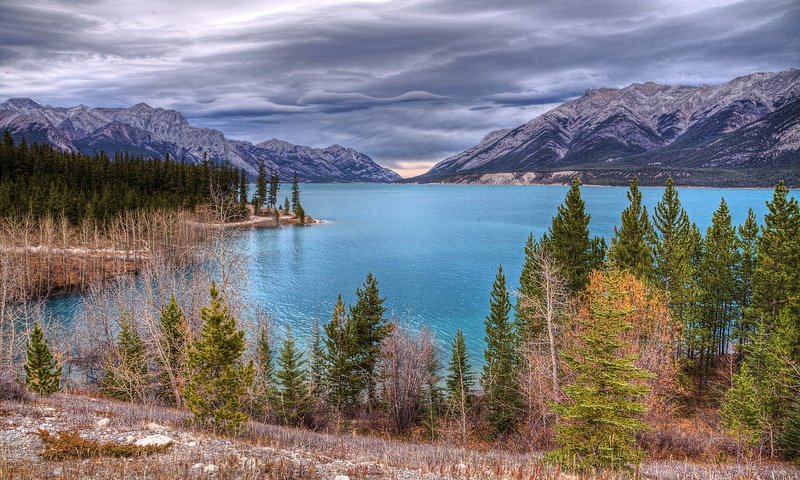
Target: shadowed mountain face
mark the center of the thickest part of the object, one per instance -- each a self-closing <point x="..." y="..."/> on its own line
<point x="155" y="132"/>
<point x="746" y="126"/>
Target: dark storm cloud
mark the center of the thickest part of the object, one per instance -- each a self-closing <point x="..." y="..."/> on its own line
<point x="404" y="81"/>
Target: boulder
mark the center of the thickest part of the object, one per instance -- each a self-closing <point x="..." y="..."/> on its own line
<point x="157" y="440"/>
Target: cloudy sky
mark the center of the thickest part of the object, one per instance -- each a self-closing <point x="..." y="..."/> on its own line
<point x="407" y="82"/>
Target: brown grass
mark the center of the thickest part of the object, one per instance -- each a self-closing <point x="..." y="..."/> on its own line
<point x="67" y="445"/>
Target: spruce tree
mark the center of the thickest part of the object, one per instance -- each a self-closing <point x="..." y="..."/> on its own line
<point x="127" y="373"/>
<point x="741" y="414"/>
<point x="300" y="214"/>
<point x="529" y="290"/>
<point x="460" y="380"/>
<point x="42" y="373"/>
<point x="274" y="186"/>
<point x="172" y="344"/>
<point x="264" y="379"/>
<point x="789" y="440"/>
<point x="630" y="245"/>
<point x="598" y="426"/>
<point x="291" y="402"/>
<point x="568" y="242"/>
<point x="671" y="244"/>
<point x="748" y="245"/>
<point x="499" y="379"/>
<point x="243" y="194"/>
<point x="718" y="292"/>
<point x="286" y="205"/>
<point x="370" y="328"/>
<point x="342" y="378"/>
<point x="260" y="197"/>
<point x="295" y="193"/>
<point x="316" y="363"/>
<point x="776" y="280"/>
<point x="218" y="380"/>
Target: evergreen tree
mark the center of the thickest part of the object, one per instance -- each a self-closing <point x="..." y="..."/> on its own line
<point x="630" y="245"/>
<point x="274" y="186"/>
<point x="568" y="241"/>
<point x="172" y="340"/>
<point x="316" y="363"/>
<point x="776" y="280"/>
<point x="741" y="414"/>
<point x="295" y="193"/>
<point x="529" y="289"/>
<point x="286" y="206"/>
<point x="218" y="380"/>
<point x="264" y="379"/>
<point x="292" y="402"/>
<point x="671" y="247"/>
<point x="499" y="378"/>
<point x="460" y="380"/>
<point x="598" y="426"/>
<point x="341" y="379"/>
<point x="718" y="292"/>
<point x="300" y="214"/>
<point x="42" y="373"/>
<point x="748" y="244"/>
<point x="370" y="328"/>
<point x="127" y="374"/>
<point x="260" y="198"/>
<point x="789" y="440"/>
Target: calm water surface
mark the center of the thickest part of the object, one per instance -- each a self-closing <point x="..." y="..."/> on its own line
<point x="434" y="248"/>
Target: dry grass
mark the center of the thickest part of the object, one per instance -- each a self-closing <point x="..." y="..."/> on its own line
<point x="67" y="445"/>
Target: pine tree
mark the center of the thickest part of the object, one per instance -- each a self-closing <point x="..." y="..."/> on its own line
<point x="459" y="384"/>
<point x="499" y="378"/>
<point x="598" y="426"/>
<point x="316" y="363"/>
<point x="718" y="292"/>
<point x="630" y="245"/>
<point x="370" y="328"/>
<point x="341" y="379"/>
<point x="172" y="345"/>
<point x="748" y="245"/>
<point x="776" y="280"/>
<point x="529" y="290"/>
<point x="789" y="440"/>
<point x="42" y="373"/>
<point x="243" y="194"/>
<point x="127" y="373"/>
<point x="295" y="193"/>
<point x="286" y="206"/>
<point x="300" y="214"/>
<point x="264" y="379"/>
<point x="218" y="380"/>
<point x="292" y="402"/>
<point x="260" y="197"/>
<point x="741" y="414"/>
<point x="568" y="242"/>
<point x="274" y="186"/>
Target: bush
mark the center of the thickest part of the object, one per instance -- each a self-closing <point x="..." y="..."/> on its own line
<point x="10" y="388"/>
<point x="67" y="445"/>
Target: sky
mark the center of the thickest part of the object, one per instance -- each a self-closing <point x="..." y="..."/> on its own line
<point x="407" y="82"/>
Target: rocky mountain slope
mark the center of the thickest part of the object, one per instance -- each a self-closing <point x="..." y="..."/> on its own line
<point x="155" y="132"/>
<point x="744" y="132"/>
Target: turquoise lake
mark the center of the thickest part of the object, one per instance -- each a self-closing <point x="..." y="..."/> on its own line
<point x="433" y="248"/>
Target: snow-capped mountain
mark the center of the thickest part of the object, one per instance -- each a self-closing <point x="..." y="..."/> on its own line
<point x="749" y="124"/>
<point x="156" y="132"/>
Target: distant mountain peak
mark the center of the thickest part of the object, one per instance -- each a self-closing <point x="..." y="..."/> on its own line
<point x="157" y="132"/>
<point x="752" y="122"/>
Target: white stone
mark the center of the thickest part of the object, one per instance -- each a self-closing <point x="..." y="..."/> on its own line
<point x="191" y="444"/>
<point x="102" y="423"/>
<point x="211" y="468"/>
<point x="197" y="466"/>
<point x="159" y="440"/>
<point x="341" y="477"/>
<point x="58" y="471"/>
<point x="154" y="427"/>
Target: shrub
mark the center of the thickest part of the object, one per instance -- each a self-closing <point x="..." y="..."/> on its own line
<point x="10" y="388"/>
<point x="67" y="445"/>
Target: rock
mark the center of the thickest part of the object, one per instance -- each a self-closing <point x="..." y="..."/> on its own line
<point x="58" y="471"/>
<point x="154" y="427"/>
<point x="158" y="440"/>
<point x="102" y="423"/>
<point x="191" y="444"/>
<point x="341" y="477"/>
<point x="211" y="468"/>
<point x="197" y="466"/>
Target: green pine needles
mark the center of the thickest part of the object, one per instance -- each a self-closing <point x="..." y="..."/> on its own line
<point x="218" y="379"/>
<point x="598" y="427"/>
<point x="630" y="245"/>
<point x="42" y="373"/>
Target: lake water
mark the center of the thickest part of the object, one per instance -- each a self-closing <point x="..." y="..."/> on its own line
<point x="433" y="248"/>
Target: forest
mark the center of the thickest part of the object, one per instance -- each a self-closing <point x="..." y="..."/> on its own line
<point x="667" y="342"/>
<point x="41" y="180"/>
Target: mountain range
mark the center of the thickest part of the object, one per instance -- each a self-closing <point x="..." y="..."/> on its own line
<point x="156" y="132"/>
<point x="745" y="132"/>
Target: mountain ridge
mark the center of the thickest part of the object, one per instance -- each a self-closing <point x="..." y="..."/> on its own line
<point x="749" y="124"/>
<point x="155" y="132"/>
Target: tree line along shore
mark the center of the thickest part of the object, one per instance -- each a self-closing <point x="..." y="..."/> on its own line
<point x="669" y="342"/>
